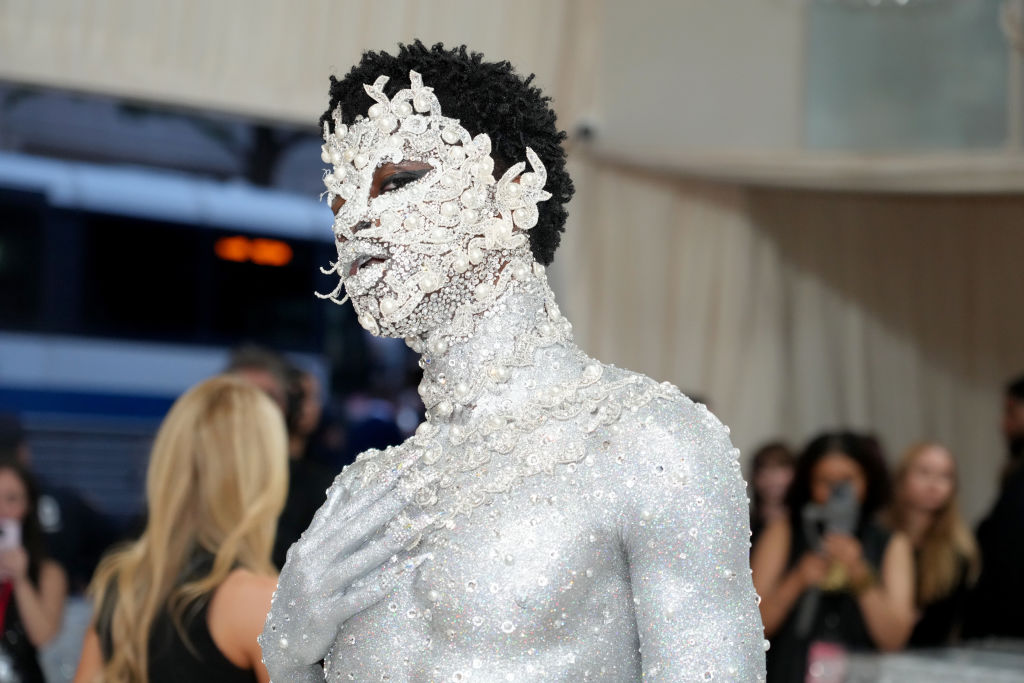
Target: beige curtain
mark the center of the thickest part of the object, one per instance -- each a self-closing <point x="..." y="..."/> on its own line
<point x="791" y="312"/>
<point x="265" y="58"/>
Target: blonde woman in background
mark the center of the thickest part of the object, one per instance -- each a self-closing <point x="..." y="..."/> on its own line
<point x="187" y="600"/>
<point x="946" y="557"/>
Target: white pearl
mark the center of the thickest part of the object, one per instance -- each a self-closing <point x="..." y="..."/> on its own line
<point x="325" y="155"/>
<point x="499" y="373"/>
<point x="473" y="198"/>
<point x="438" y="346"/>
<point x="525" y="218"/>
<point x="337" y="158"/>
<point x="447" y="181"/>
<point x="412" y="222"/>
<point x="340" y="130"/>
<point x="543" y="328"/>
<point x="521" y="271"/>
<point x="461" y="391"/>
<point x="349" y="154"/>
<point x="457" y="432"/>
<point x="438" y="235"/>
<point x="421" y="103"/>
<point x="456" y="154"/>
<point x="430" y="282"/>
<point x="514" y="190"/>
<point x="375" y="111"/>
<point x="470" y="216"/>
<point x="283" y="643"/>
<point x="482" y="290"/>
<point x="529" y="180"/>
<point x="403" y="109"/>
<point x="449" y="210"/>
<point x="476" y="255"/>
<point x="450" y="135"/>
<point x="360" y="160"/>
<point x="444" y="408"/>
<point x="460" y="264"/>
<point x="388" y="306"/>
<point x="340" y="173"/>
<point x="387" y="123"/>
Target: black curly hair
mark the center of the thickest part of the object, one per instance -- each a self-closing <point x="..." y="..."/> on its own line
<point x="486" y="97"/>
<point x="865" y="450"/>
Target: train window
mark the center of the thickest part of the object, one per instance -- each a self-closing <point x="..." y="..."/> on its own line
<point x="21" y="259"/>
<point x="162" y="281"/>
<point x="139" y="278"/>
<point x="263" y="290"/>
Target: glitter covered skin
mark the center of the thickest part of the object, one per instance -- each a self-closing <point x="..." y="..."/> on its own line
<point x="554" y="518"/>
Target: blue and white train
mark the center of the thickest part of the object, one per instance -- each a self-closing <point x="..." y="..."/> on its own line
<point x="122" y="286"/>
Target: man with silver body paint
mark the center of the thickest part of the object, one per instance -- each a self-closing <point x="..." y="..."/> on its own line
<point x="554" y="517"/>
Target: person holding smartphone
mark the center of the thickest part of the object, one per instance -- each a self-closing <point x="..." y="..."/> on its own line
<point x="33" y="587"/>
<point x="831" y="578"/>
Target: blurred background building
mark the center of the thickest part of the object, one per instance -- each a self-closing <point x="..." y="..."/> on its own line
<point x="808" y="213"/>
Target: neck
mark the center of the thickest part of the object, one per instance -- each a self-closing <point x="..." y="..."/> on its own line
<point x="486" y="358"/>
<point x="916" y="524"/>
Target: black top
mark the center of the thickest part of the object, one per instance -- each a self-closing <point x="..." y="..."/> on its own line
<point x="307" y="490"/>
<point x="996" y="605"/>
<point x="171" y="659"/>
<point x="837" y="619"/>
<point x="16" y="650"/>
<point x="940" y="619"/>
<point x="76" y="534"/>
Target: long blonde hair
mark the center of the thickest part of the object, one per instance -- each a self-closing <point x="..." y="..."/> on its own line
<point x="946" y="542"/>
<point x="217" y="481"/>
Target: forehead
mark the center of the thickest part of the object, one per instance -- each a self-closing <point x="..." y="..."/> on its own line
<point x="836" y="464"/>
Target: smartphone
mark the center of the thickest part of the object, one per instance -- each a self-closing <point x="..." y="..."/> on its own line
<point x="10" y="534"/>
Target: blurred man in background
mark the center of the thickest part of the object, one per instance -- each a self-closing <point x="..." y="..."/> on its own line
<point x="297" y="394"/>
<point x="76" y="535"/>
<point x="997" y="606"/>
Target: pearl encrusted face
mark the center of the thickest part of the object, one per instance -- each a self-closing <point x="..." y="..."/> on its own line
<point x="417" y="257"/>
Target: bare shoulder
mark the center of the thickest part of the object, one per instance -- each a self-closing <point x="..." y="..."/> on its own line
<point x="776" y="534"/>
<point x="53" y="570"/>
<point x="899" y="547"/>
<point x="661" y="449"/>
<point x="664" y="429"/>
<point x="52" y="574"/>
<point x="243" y="587"/>
<point x="238" y="610"/>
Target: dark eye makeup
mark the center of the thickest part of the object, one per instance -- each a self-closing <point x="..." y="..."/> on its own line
<point x="400" y="179"/>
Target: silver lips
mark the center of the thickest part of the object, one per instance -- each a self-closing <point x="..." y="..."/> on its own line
<point x="354" y="256"/>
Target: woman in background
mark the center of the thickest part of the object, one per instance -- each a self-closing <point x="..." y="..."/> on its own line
<point x="32" y="586"/>
<point x="946" y="557"/>
<point x="824" y="591"/>
<point x="187" y="600"/>
<point x="771" y="472"/>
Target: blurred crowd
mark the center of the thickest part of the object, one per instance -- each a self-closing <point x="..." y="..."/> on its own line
<point x="846" y="556"/>
<point x="850" y="558"/>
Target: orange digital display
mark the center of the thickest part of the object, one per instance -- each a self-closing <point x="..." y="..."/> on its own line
<point x="261" y="251"/>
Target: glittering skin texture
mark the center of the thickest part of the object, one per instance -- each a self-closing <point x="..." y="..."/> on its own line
<point x="553" y="519"/>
